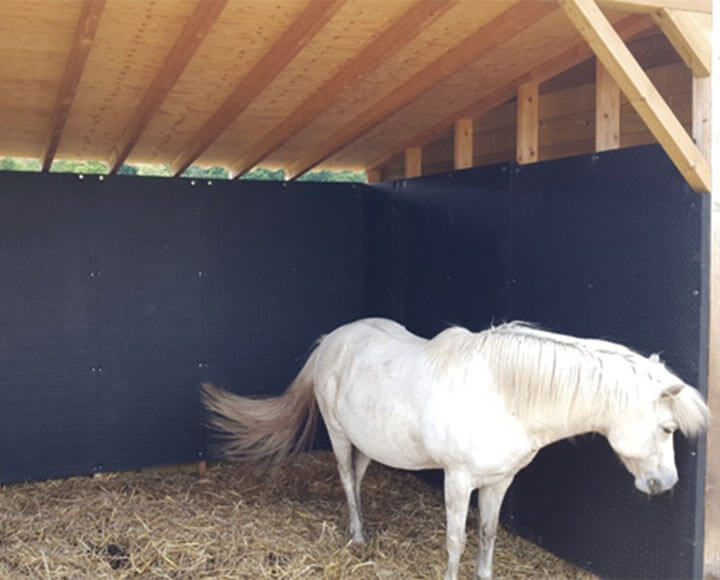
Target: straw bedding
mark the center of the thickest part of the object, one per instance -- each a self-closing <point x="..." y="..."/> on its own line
<point x="238" y="522"/>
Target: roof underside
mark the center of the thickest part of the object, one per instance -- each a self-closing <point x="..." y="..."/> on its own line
<point x="282" y="83"/>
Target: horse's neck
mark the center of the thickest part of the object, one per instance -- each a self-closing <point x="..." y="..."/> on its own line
<point x="545" y="425"/>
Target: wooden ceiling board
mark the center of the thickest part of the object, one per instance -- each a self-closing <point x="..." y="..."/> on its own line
<point x="128" y="48"/>
<point x="431" y="44"/>
<point x="241" y="36"/>
<point x="35" y="44"/>
<point x="497" y="67"/>
<point x="354" y="26"/>
<point x="406" y="91"/>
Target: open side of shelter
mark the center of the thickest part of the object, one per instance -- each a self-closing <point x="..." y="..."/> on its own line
<point x="128" y="292"/>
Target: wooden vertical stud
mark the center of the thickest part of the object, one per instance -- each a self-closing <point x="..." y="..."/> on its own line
<point x="701" y="115"/>
<point x="463" y="143"/>
<point x="706" y="134"/>
<point x="413" y="162"/>
<point x="528" y="98"/>
<point x="607" y="110"/>
<point x="373" y="176"/>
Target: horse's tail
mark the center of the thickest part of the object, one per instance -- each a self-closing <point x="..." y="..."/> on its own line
<point x="270" y="428"/>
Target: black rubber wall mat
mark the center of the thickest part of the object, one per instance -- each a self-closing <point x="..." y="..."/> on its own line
<point x="611" y="246"/>
<point x="614" y="246"/>
<point x="119" y="296"/>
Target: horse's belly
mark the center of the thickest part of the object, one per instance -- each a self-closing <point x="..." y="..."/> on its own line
<point x="384" y="427"/>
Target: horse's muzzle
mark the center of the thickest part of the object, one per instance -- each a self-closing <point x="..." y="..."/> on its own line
<point x="656" y="483"/>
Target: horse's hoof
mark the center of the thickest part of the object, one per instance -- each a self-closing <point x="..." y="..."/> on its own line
<point x="360" y="538"/>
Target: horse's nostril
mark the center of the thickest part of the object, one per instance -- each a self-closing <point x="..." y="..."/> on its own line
<point x="654" y="485"/>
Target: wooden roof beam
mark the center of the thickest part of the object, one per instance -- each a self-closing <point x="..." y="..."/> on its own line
<point x="397" y="35"/>
<point x="627" y="28"/>
<point x="690" y="34"/>
<point x="84" y="34"/>
<point x="649" y="6"/>
<point x="642" y="94"/>
<point x="505" y="26"/>
<point x="311" y="20"/>
<point x="191" y="37"/>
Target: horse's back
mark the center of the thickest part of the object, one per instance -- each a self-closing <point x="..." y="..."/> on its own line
<point x="366" y="381"/>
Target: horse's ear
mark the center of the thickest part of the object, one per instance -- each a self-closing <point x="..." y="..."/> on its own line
<point x="672" y="391"/>
<point x="655" y="357"/>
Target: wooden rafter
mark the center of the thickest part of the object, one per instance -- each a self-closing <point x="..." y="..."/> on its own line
<point x="627" y="28"/>
<point x="508" y="24"/>
<point x="642" y="94"/>
<point x="84" y="34"/>
<point x="397" y="35"/>
<point x="690" y="34"/>
<point x="198" y="25"/>
<point x="648" y="6"/>
<point x="312" y="19"/>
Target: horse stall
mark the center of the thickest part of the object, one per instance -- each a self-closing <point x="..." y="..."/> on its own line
<point x="567" y="188"/>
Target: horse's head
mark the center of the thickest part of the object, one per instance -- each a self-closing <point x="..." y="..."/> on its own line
<point x="643" y="438"/>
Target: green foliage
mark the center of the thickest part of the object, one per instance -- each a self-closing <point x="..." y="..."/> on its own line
<point x="153" y="170"/>
<point x="98" y="167"/>
<point x="127" y="170"/>
<point x="263" y="174"/>
<point x="16" y="164"/>
<point x="89" y="167"/>
<point x="337" y="176"/>
<point x="206" y="172"/>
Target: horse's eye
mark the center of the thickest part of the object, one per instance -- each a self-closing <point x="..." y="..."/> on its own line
<point x="669" y="428"/>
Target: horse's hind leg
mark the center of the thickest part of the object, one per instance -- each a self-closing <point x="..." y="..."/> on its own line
<point x="343" y="450"/>
<point x="360" y="465"/>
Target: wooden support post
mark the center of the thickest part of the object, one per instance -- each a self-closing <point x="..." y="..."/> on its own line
<point x="607" y="110"/>
<point x="528" y="98"/>
<point x="594" y="26"/>
<point x="413" y="162"/>
<point x="202" y="468"/>
<point x="701" y="130"/>
<point x="463" y="143"/>
<point x="373" y="176"/>
<point x="701" y="115"/>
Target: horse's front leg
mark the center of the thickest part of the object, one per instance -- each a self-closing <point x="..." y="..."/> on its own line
<point x="458" y="488"/>
<point x="490" y="499"/>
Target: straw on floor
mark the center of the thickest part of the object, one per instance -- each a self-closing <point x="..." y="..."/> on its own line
<point x="238" y="522"/>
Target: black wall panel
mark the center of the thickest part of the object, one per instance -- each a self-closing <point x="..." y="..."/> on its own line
<point x="119" y="295"/>
<point x="613" y="246"/>
<point x="147" y="322"/>
<point x="282" y="265"/>
<point x="450" y="241"/>
<point x="46" y="406"/>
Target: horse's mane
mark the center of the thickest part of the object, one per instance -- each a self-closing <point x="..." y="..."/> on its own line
<point x="537" y="371"/>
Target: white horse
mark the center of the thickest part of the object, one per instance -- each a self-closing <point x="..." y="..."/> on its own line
<point x="477" y="405"/>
